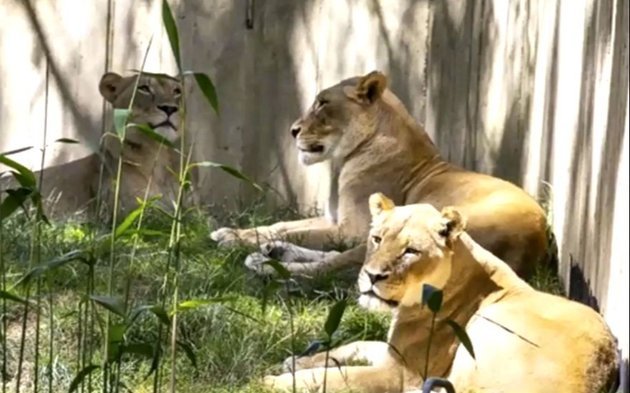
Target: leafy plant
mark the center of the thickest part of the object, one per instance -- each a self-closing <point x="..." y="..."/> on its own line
<point x="432" y="298"/>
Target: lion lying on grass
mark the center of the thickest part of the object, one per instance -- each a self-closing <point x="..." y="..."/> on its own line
<point x="376" y="146"/>
<point x="145" y="161"/>
<point x="524" y="340"/>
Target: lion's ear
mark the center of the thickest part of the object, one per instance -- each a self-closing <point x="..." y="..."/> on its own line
<point x="380" y="203"/>
<point x="454" y="223"/>
<point x="108" y="86"/>
<point x="371" y="86"/>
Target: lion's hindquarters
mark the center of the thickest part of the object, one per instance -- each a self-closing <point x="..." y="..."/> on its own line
<point x="529" y="344"/>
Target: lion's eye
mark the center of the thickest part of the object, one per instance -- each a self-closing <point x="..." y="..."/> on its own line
<point x="321" y="102"/>
<point x="177" y="91"/>
<point x="144" y="89"/>
<point x="376" y="239"/>
<point x="411" y="251"/>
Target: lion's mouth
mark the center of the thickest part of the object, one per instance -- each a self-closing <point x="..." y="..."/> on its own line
<point x="165" y="123"/>
<point x="315" y="148"/>
<point x="389" y="302"/>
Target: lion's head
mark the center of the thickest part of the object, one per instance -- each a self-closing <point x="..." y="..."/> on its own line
<point x="408" y="246"/>
<point x="341" y="117"/>
<point x="156" y="103"/>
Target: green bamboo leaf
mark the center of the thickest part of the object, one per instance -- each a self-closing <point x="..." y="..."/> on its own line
<point x="334" y="317"/>
<point x="171" y="31"/>
<point x="112" y="304"/>
<point x="279" y="268"/>
<point x="66" y="140"/>
<point x="462" y="336"/>
<point x="14" y="200"/>
<point x="128" y="221"/>
<point x="270" y="289"/>
<point x="76" y="255"/>
<point x="78" y="379"/>
<point x="149" y="132"/>
<point x="207" y="88"/>
<point x="432" y="297"/>
<point x="142" y="349"/>
<point x="117" y="332"/>
<point x="21" y="149"/>
<point x="120" y="119"/>
<point x="10" y="296"/>
<point x="156" y="310"/>
<point x="228" y="169"/>
<point x="312" y="348"/>
<point x="36" y="198"/>
<point x="155" y="360"/>
<point x="188" y="350"/>
<point x="28" y="177"/>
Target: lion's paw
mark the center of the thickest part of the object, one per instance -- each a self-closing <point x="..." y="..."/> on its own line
<point x="226" y="237"/>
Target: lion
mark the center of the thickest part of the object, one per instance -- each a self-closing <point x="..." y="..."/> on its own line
<point x="146" y="162"/>
<point x="524" y="340"/>
<point x="375" y="145"/>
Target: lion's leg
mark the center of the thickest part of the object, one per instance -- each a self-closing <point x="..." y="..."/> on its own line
<point x="255" y="236"/>
<point x="323" y="261"/>
<point x="372" y="353"/>
<point x="367" y="379"/>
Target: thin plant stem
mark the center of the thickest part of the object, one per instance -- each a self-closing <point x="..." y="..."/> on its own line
<point x="426" y="362"/>
<point x="175" y="241"/>
<point x="112" y="244"/>
<point x="3" y="317"/>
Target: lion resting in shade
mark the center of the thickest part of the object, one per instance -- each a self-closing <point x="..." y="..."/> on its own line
<point x="376" y="146"/>
<point x="524" y="340"/>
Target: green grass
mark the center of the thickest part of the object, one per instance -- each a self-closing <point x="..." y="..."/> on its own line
<point x="235" y="342"/>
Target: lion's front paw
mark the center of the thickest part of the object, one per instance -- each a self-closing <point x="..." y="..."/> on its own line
<point x="301" y="363"/>
<point x="278" y="382"/>
<point x="226" y="237"/>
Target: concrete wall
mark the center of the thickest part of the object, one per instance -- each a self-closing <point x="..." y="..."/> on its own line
<point x="535" y="91"/>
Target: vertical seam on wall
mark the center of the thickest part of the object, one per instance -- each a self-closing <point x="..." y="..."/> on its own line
<point x="319" y="45"/>
<point x="476" y="130"/>
<point x="109" y="46"/>
<point x="45" y="136"/>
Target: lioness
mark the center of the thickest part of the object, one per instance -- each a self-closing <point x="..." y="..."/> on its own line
<point x="524" y="340"/>
<point x="145" y="161"/>
<point x="376" y="146"/>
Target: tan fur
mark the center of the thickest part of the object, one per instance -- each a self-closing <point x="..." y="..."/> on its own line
<point x="144" y="160"/>
<point x="525" y="341"/>
<point x="376" y="146"/>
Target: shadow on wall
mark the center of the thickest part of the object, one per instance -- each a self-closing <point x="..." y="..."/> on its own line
<point x="259" y="74"/>
<point x="455" y="48"/>
<point x="587" y="219"/>
<point x="255" y="76"/>
<point x="476" y="47"/>
<point x="83" y="122"/>
<point x="405" y="57"/>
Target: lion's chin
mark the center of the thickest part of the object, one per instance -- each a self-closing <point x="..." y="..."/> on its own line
<point x="373" y="303"/>
<point x="309" y="158"/>
<point x="167" y="132"/>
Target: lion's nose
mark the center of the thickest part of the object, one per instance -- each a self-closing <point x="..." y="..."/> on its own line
<point x="168" y="109"/>
<point x="295" y="130"/>
<point x="374" y="278"/>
